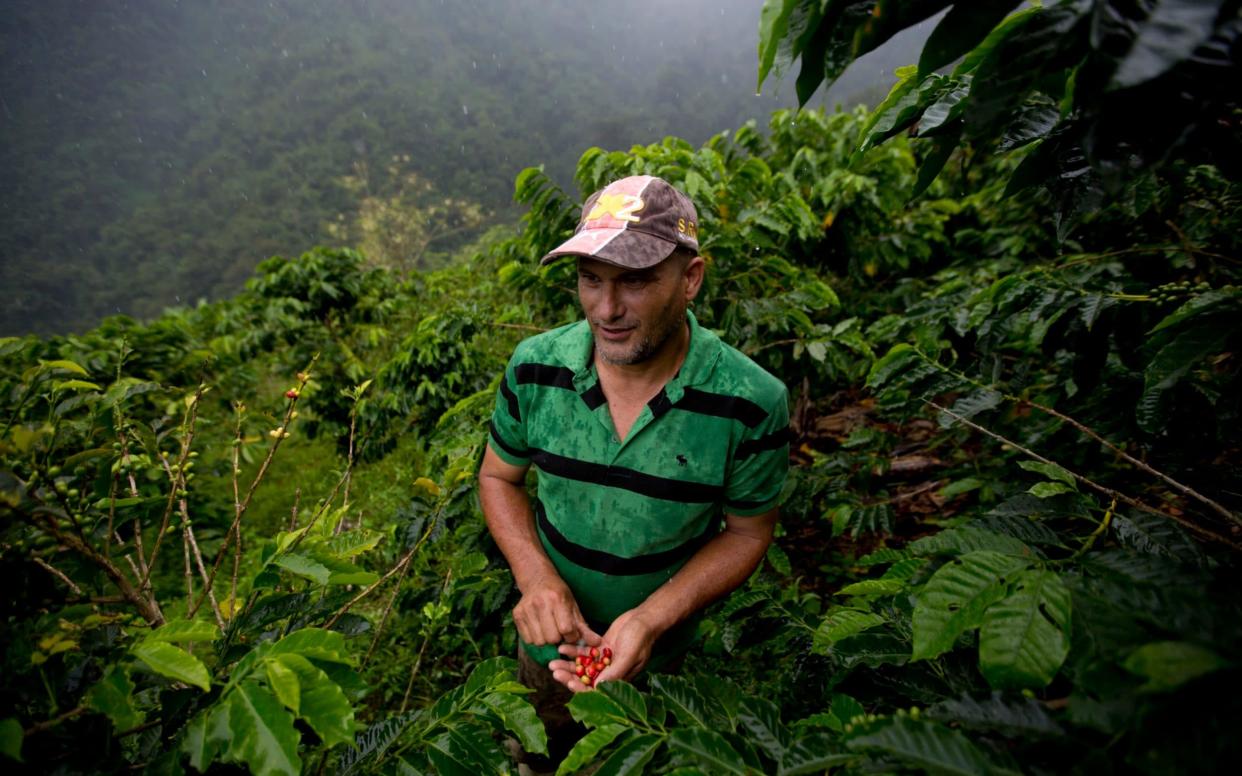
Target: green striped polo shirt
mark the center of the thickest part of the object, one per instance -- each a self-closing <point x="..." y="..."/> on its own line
<point x="619" y="517"/>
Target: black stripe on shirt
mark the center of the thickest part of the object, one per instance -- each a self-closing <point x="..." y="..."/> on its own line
<point x="660" y="404"/>
<point x="773" y="441"/>
<point x="594" y="397"/>
<point x="722" y="406"/>
<point x="616" y="565"/>
<point x="626" y="479"/>
<point x="503" y="445"/>
<point x="545" y="374"/>
<point x="558" y="377"/>
<point x="511" y="398"/>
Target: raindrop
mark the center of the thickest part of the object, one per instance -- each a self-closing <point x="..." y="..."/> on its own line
<point x="284" y="53"/>
<point x="364" y="114"/>
<point x="464" y="110"/>
<point x="204" y="72"/>
<point x="474" y="65"/>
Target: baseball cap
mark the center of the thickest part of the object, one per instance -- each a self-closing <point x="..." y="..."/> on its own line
<point x="634" y="222"/>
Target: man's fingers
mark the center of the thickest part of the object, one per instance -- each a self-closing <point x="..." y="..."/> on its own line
<point x="567" y="678"/>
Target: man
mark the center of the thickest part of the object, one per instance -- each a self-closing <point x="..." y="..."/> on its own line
<point x="644" y="428"/>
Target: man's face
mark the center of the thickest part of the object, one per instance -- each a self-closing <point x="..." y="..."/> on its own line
<point x="634" y="312"/>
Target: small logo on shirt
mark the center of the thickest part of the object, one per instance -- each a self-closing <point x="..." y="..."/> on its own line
<point x="681" y="460"/>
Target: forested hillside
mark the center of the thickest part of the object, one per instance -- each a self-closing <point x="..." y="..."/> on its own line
<point x="245" y="534"/>
<point x="156" y="151"/>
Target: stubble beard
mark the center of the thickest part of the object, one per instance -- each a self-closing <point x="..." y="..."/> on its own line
<point x="651" y="344"/>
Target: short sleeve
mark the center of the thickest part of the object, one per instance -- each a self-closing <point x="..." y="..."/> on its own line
<point x="760" y="463"/>
<point x="507" y="429"/>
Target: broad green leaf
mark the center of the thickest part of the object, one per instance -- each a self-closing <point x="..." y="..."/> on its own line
<point x="1025" y="636"/>
<point x="761" y="720"/>
<point x="943" y="114"/>
<point x="173" y="662"/>
<point x="1186" y="348"/>
<point x="1014" y="63"/>
<point x="304" y="567"/>
<point x="262" y="732"/>
<point x="942" y="147"/>
<point x="1164" y="39"/>
<point x="687" y="704"/>
<point x="1049" y="489"/>
<point x="926" y="745"/>
<point x="624" y="695"/>
<point x="1013" y="717"/>
<point x="181" y="631"/>
<point x="954" y="600"/>
<point x="315" y="643"/>
<point x="322" y="702"/>
<point x="595" y="708"/>
<point x="841" y="624"/>
<point x="489" y="673"/>
<point x="709" y="748"/>
<point x="873" y="587"/>
<point x="1169" y="664"/>
<point x="587" y="747"/>
<point x="355" y="542"/>
<point x="968" y="538"/>
<point x="1049" y="470"/>
<point x="520" y="719"/>
<point x="882" y="556"/>
<point x="468" y="751"/>
<point x="973" y="403"/>
<point x="630" y="757"/>
<point x="965" y="26"/>
<point x="773" y="23"/>
<point x="197" y="744"/>
<point x="64" y="365"/>
<point x="76" y="385"/>
<point x="11" y="739"/>
<point x="813" y="754"/>
<point x="113" y="695"/>
<point x="283" y="682"/>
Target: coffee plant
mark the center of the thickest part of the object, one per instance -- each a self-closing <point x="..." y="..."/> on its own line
<point x="244" y="535"/>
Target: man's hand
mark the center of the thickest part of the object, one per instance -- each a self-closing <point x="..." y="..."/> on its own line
<point x="548" y="614"/>
<point x="630" y="638"/>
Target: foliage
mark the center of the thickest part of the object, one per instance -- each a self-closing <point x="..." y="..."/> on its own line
<point x="1008" y="543"/>
<point x="1077" y="81"/>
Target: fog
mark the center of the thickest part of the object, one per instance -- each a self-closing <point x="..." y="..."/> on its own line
<point x="156" y="150"/>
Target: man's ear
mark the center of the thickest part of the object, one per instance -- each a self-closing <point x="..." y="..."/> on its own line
<point x="695" y="269"/>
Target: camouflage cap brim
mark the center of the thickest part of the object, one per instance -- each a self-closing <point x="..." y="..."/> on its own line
<point x="623" y="247"/>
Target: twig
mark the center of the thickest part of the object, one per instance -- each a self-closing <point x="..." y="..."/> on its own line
<point x="1123" y="498"/>
<point x="349" y="465"/>
<point x="254" y="485"/>
<point x="177" y="480"/>
<point x="372" y="587"/>
<point x="198" y="560"/>
<point x="240" y="410"/>
<point x="1216" y="507"/>
<point x="189" y="570"/>
<point x="39" y="727"/>
<point x="1099" y="529"/>
<point x="395" y="569"/>
<point x="418" y="661"/>
<point x="148" y="608"/>
<point x="379" y="629"/>
<point x="293" y="515"/>
<point x="57" y="572"/>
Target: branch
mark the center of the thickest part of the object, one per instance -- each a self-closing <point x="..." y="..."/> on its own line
<point x="395" y="569"/>
<point x="1123" y="498"/>
<point x="57" y="572"/>
<point x="1186" y="489"/>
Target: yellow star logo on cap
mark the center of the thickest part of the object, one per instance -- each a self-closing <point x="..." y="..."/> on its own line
<point x="620" y="206"/>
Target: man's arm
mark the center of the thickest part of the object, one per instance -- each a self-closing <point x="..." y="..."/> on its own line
<point x="717" y="569"/>
<point x="547" y="612"/>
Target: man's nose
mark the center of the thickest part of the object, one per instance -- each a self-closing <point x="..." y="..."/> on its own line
<point x="610" y="304"/>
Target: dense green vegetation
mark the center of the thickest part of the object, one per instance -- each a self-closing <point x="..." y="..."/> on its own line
<point x="245" y="532"/>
